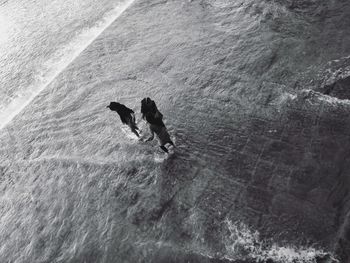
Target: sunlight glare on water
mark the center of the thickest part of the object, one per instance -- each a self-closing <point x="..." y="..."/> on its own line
<point x="57" y="62"/>
<point x="5" y="26"/>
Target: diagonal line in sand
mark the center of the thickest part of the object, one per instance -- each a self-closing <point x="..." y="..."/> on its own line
<point x="18" y="104"/>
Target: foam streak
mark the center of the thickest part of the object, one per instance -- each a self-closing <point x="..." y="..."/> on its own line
<point x="57" y="65"/>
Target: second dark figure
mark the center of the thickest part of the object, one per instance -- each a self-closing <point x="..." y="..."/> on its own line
<point x="154" y="118"/>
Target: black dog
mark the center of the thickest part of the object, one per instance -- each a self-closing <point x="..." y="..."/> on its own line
<point x="154" y="118"/>
<point x="127" y="116"/>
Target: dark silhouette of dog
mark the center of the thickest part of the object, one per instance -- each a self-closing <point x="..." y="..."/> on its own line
<point x="154" y="118"/>
<point x="127" y="116"/>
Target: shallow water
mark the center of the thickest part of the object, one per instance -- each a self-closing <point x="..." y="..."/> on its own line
<point x="40" y="39"/>
<point x="77" y="188"/>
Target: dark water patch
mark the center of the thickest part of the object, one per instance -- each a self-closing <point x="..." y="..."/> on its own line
<point x="339" y="89"/>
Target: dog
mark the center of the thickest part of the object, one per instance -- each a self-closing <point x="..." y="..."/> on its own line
<point x="154" y="118"/>
<point x="127" y="116"/>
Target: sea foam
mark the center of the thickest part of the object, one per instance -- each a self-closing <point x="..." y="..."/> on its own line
<point x="245" y="242"/>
